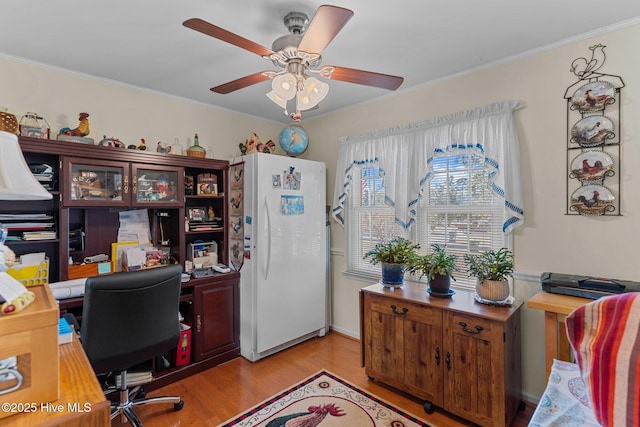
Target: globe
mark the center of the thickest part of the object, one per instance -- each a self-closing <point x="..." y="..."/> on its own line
<point x="294" y="140"/>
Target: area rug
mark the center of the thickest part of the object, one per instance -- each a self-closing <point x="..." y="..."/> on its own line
<point x="324" y="400"/>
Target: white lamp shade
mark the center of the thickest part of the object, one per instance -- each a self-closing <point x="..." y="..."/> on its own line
<point x="285" y="86"/>
<point x="313" y="93"/>
<point x="275" y="98"/>
<point x="16" y="180"/>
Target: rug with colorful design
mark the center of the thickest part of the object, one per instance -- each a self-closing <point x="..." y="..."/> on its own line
<point x="324" y="400"/>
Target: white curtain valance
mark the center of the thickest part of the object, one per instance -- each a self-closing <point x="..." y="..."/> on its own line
<point x="405" y="155"/>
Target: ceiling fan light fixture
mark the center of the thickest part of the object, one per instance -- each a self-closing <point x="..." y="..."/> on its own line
<point x="285" y="86"/>
<point x="276" y="99"/>
<point x="316" y="89"/>
<point x="313" y="93"/>
<point x="296" y="54"/>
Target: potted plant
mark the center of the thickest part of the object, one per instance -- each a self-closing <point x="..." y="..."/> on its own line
<point x="438" y="266"/>
<point x="492" y="269"/>
<point x="394" y="256"/>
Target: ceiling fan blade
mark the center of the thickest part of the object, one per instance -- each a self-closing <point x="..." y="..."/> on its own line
<point x="324" y="26"/>
<point x="368" y="78"/>
<point x="241" y="83"/>
<point x="226" y="36"/>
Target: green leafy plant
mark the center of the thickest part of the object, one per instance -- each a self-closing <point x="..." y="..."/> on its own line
<point x="490" y="265"/>
<point x="438" y="262"/>
<point x="397" y="251"/>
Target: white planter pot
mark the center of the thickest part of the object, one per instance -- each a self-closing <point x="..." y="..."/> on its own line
<point x="493" y="290"/>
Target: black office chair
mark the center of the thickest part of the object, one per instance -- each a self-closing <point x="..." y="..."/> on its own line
<point x="129" y="318"/>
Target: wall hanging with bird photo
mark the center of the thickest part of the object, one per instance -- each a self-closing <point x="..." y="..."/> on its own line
<point x="593" y="137"/>
<point x="236" y="212"/>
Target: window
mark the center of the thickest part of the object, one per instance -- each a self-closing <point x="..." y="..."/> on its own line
<point x="369" y="221"/>
<point x="452" y="180"/>
<point x="458" y="211"/>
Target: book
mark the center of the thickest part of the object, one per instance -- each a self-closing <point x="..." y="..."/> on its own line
<point x="39" y="235"/>
<point x="65" y="333"/>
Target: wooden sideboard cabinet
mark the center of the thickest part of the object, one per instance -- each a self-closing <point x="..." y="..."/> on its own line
<point x="454" y="353"/>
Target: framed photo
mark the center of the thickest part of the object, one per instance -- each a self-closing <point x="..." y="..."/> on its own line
<point x="207" y="184"/>
<point x="207" y="189"/>
<point x="197" y="215"/>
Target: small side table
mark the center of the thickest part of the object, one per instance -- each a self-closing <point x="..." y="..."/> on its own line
<point x="556" y="308"/>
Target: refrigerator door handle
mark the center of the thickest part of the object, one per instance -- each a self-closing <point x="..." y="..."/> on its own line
<point x="268" y="248"/>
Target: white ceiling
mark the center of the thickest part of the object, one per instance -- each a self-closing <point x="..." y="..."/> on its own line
<point x="143" y="43"/>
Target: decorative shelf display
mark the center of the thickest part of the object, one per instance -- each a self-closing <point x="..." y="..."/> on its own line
<point x="593" y="138"/>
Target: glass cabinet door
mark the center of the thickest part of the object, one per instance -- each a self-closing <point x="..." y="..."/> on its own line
<point x="95" y="183"/>
<point x="157" y="186"/>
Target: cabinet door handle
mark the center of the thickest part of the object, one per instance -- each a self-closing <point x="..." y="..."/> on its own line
<point x="126" y="184"/>
<point x="438" y="356"/>
<point x="395" y="310"/>
<point x="448" y="361"/>
<point x="198" y="323"/>
<point x="471" y="331"/>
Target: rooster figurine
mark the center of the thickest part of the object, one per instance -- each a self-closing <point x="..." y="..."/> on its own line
<point x="81" y="130"/>
<point x="163" y="148"/>
<point x="307" y="419"/>
<point x="254" y="145"/>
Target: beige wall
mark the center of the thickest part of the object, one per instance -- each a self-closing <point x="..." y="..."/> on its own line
<point x="123" y="112"/>
<point x="548" y="241"/>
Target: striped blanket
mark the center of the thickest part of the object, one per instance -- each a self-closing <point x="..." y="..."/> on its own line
<point x="605" y="336"/>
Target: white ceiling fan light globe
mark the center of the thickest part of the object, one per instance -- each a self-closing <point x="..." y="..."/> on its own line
<point x="313" y="92"/>
<point x="276" y="99"/>
<point x="285" y="86"/>
<point x="304" y="102"/>
<point x="316" y="89"/>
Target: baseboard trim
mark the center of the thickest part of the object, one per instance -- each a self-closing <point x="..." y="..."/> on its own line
<point x="345" y="333"/>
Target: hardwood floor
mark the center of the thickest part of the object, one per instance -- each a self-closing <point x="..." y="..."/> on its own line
<point x="224" y="391"/>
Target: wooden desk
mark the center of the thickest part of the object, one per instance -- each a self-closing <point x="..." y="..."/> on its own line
<point x="79" y="392"/>
<point x="556" y="308"/>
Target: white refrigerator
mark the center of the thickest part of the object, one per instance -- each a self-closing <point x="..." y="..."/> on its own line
<point x="283" y="278"/>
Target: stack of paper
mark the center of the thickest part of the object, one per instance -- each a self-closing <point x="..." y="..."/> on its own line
<point x="134" y="226"/>
<point x="32" y="226"/>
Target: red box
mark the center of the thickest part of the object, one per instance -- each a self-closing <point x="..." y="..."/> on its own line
<point x="183" y="350"/>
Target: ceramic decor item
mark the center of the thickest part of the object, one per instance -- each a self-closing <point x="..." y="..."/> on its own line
<point x="593" y="97"/>
<point x="592" y="131"/>
<point x="592" y="166"/>
<point x="592" y="200"/>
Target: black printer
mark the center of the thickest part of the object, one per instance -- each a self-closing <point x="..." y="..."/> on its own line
<point x="585" y="286"/>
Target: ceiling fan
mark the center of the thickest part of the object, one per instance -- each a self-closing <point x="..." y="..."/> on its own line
<point x="296" y="56"/>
